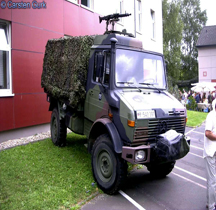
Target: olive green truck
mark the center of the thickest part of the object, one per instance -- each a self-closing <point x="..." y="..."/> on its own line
<point x="111" y="90"/>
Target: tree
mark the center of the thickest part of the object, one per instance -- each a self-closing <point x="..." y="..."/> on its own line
<point x="172" y="38"/>
<point x="193" y="20"/>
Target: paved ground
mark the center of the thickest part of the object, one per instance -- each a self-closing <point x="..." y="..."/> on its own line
<point x="184" y="188"/>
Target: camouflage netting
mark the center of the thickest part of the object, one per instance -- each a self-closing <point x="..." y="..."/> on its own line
<point x="65" y="68"/>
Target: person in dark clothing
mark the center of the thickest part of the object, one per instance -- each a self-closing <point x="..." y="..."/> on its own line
<point x="203" y="97"/>
<point x="197" y="98"/>
<point x="210" y="98"/>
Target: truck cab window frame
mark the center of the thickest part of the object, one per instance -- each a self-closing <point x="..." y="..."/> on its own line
<point x="106" y="68"/>
<point x="5" y="59"/>
<point x="149" y="70"/>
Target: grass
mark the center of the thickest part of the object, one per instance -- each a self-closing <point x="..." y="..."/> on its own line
<point x="42" y="176"/>
<point x="195" y="118"/>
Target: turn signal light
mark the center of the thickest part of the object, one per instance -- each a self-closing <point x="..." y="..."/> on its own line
<point x="186" y="119"/>
<point x="110" y="115"/>
<point x="131" y="123"/>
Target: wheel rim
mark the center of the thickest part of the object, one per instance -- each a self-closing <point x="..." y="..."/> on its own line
<point x="104" y="166"/>
<point x="54" y="129"/>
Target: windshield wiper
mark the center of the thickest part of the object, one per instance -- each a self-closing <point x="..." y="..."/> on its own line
<point x="131" y="84"/>
<point x="125" y="82"/>
<point x="145" y="83"/>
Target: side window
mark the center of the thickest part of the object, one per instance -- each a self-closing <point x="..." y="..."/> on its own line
<point x="106" y="68"/>
<point x="96" y="79"/>
<point x="5" y="59"/>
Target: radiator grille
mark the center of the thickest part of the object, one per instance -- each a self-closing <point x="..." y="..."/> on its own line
<point x="172" y="113"/>
<point x="144" y="135"/>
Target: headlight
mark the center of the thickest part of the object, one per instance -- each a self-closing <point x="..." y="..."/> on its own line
<point x="140" y="155"/>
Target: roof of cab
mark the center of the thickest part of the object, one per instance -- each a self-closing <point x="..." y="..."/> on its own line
<point x="122" y="40"/>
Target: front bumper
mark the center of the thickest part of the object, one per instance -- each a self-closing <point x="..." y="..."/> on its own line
<point x="128" y="153"/>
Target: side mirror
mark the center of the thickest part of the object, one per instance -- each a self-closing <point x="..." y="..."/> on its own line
<point x="100" y="66"/>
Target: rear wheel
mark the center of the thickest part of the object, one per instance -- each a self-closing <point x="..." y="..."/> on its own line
<point x="161" y="170"/>
<point x="58" y="129"/>
<point x="109" y="169"/>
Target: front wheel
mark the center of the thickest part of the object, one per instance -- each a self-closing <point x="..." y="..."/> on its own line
<point x="109" y="169"/>
<point x="58" y="129"/>
<point x="161" y="170"/>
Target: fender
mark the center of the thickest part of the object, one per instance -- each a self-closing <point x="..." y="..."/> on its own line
<point x="101" y="126"/>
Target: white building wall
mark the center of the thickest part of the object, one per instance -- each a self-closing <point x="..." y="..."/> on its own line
<point x="106" y="7"/>
<point x="207" y="64"/>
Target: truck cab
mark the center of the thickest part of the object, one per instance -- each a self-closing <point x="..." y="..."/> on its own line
<point x="127" y="85"/>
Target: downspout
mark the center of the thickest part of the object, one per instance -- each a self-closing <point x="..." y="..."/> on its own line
<point x="135" y="18"/>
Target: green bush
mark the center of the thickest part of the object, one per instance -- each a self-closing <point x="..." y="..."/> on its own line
<point x="191" y="105"/>
<point x="173" y="89"/>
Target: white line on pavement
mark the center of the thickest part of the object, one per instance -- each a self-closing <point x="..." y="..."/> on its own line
<point x="131" y="200"/>
<point x="195" y="155"/>
<point x="196" y="147"/>
<point x="198" y="132"/>
<point x="189" y="131"/>
<point x="199" y="177"/>
<point x="189" y="180"/>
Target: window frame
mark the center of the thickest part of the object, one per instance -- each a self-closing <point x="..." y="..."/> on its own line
<point x="105" y="53"/>
<point x="74" y="1"/>
<point x="139" y="16"/>
<point x="121" y="9"/>
<point x="153" y="34"/>
<point x="7" y="92"/>
<point x="91" y="7"/>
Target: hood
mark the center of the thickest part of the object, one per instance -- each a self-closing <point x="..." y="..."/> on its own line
<point x="152" y="100"/>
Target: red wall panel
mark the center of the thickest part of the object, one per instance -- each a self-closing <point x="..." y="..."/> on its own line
<point x="30" y="109"/>
<point x="27" y="70"/>
<point x="31" y="39"/>
<point x="79" y="21"/>
<point x="71" y="19"/>
<point x="6" y="113"/>
<point x="5" y="13"/>
<point x="50" y="18"/>
<point x="87" y="20"/>
<point x="31" y="28"/>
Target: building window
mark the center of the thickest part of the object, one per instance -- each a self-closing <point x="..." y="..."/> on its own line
<point x="73" y="1"/>
<point x="139" y="15"/>
<point x="5" y="59"/>
<point x="88" y="3"/>
<point x="153" y="24"/>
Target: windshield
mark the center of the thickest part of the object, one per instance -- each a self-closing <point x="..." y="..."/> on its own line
<point x="139" y="69"/>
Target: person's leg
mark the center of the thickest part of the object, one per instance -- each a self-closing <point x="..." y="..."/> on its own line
<point x="211" y="182"/>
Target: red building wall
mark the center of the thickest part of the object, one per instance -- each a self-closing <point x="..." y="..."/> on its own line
<point x="30" y="30"/>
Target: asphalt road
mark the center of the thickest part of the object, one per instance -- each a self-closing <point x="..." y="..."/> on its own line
<point x="183" y="189"/>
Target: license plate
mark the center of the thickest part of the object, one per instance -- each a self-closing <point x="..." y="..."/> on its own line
<point x="145" y="114"/>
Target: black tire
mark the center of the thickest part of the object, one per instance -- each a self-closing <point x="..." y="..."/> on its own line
<point x="109" y="169"/>
<point x="161" y="170"/>
<point x="58" y="129"/>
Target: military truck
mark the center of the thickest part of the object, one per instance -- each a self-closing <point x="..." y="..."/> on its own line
<point x="125" y="110"/>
